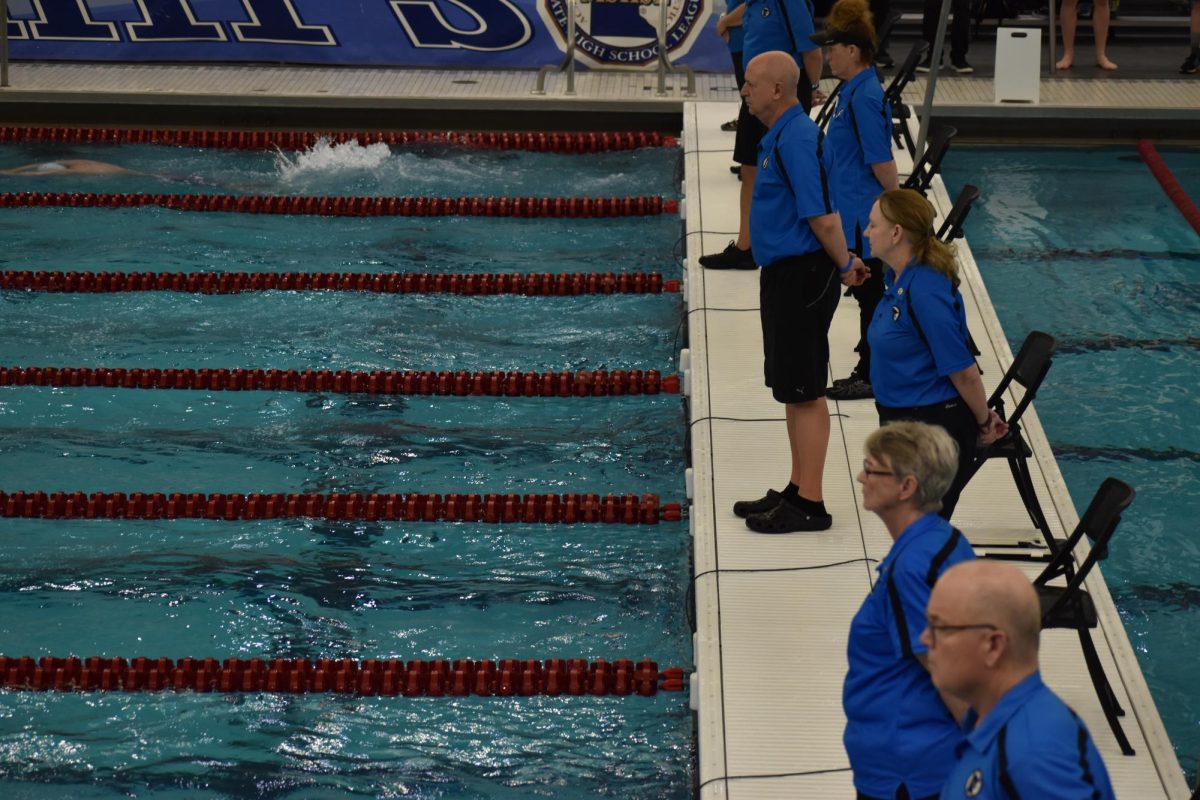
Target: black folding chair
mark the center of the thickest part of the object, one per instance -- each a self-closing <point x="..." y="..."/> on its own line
<point x="1069" y="606"/>
<point x="894" y="91"/>
<point x="930" y="162"/>
<point x="1028" y="370"/>
<point x="952" y="225"/>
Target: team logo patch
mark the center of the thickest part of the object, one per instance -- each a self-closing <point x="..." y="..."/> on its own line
<point x="974" y="784"/>
<point x="895" y="313"/>
<point x="766" y="159"/>
<point x="623" y="33"/>
<point x="766" y="12"/>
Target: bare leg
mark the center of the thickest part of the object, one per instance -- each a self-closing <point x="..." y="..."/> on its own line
<point x="1069" y="17"/>
<point x="1100" y="15"/>
<point x="808" y="435"/>
<point x="748" y="173"/>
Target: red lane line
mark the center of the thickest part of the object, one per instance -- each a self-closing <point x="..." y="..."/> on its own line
<point x="563" y="284"/>
<point x="386" y="677"/>
<point x="1169" y="184"/>
<point x="549" y="509"/>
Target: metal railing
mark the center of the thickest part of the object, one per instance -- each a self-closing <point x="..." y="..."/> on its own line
<point x="3" y="43"/>
<point x="663" y="61"/>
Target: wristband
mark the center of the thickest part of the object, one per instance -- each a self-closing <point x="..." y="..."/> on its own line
<point x="849" y="264"/>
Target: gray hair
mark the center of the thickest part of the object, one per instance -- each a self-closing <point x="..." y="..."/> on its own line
<point x="925" y="452"/>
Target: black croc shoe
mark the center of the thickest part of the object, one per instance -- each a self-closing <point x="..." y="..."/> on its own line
<point x="786" y="518"/>
<point x="744" y="508"/>
<point x="856" y="389"/>
<point x="729" y="258"/>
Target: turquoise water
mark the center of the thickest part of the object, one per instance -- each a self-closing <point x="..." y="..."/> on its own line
<point x="313" y="588"/>
<point x="1084" y="244"/>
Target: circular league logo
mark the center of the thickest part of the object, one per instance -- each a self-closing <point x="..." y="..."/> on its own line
<point x="623" y="33"/>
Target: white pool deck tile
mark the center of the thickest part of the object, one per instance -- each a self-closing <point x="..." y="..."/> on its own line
<point x="772" y="620"/>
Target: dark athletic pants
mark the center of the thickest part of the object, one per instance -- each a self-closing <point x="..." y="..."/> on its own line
<point x="959" y="421"/>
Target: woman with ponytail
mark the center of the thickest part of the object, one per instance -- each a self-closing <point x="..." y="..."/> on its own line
<point x="922" y="368"/>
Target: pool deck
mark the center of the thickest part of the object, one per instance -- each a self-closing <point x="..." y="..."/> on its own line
<point x="770" y="649"/>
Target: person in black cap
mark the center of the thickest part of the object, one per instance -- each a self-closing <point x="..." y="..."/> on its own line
<point x="860" y="133"/>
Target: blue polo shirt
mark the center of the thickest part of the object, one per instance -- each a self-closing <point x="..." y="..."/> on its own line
<point x="777" y="25"/>
<point x="1047" y="751"/>
<point x="898" y="731"/>
<point x="738" y="32"/>
<point x="908" y="369"/>
<point x="861" y="133"/>
<point x="792" y="185"/>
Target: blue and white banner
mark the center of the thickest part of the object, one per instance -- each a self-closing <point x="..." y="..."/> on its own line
<point x="467" y="34"/>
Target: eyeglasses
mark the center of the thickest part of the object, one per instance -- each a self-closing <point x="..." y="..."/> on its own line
<point x="868" y="471"/>
<point x="936" y="630"/>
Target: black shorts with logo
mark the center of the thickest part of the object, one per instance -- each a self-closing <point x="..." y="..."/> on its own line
<point x="797" y="298"/>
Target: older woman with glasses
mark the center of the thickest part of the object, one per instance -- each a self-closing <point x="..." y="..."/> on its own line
<point x="900" y="732"/>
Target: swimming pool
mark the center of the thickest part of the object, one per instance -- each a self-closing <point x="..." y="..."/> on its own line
<point x="307" y="587"/>
<point x="1083" y="244"/>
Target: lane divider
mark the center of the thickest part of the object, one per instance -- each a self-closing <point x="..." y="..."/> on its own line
<point x="575" y="283"/>
<point x="387" y="677"/>
<point x="553" y="142"/>
<point x="522" y="207"/>
<point x="549" y="509"/>
<point x="1167" y="180"/>
<point x="497" y="383"/>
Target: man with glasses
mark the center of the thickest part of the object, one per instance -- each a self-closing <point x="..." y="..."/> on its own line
<point x="900" y="733"/>
<point x="982" y="634"/>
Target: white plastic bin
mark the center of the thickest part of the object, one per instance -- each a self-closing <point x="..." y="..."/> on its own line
<point x="1018" y="65"/>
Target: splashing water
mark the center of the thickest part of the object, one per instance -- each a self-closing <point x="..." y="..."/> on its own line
<point x="324" y="157"/>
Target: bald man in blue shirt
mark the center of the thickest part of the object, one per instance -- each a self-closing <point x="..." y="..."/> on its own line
<point x="983" y="624"/>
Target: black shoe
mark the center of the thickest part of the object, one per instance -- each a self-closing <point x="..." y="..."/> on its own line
<point x="925" y="63"/>
<point x="729" y="126"/>
<point x="852" y="389"/>
<point x="856" y="374"/>
<point x="884" y="60"/>
<point x="729" y="258"/>
<point x="736" y="169"/>
<point x="786" y="518"/>
<point x="1191" y="65"/>
<point x="744" y="508"/>
<point x="961" y="66"/>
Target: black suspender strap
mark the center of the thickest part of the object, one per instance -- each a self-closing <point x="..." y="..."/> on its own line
<point x="935" y="566"/>
<point x="1006" y="781"/>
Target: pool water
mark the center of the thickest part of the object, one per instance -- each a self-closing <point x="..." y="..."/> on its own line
<point x="1085" y="245"/>
<point x="318" y="588"/>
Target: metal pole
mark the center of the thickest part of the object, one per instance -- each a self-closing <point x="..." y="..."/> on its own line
<point x="570" y="46"/>
<point x="661" y="35"/>
<point x="935" y="64"/>
<point x="3" y="43"/>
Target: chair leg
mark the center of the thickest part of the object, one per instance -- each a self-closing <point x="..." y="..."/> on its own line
<point x="1108" y="699"/>
<point x="1024" y="481"/>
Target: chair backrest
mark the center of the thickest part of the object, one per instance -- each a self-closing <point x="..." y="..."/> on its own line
<point x="1028" y="370"/>
<point x="1097" y="523"/>
<point x="930" y="162"/>
<point x="952" y="226"/>
<point x="904" y="75"/>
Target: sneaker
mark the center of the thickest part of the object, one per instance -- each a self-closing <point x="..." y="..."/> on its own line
<point x="730" y="126"/>
<point x="1192" y="64"/>
<point x="744" y="508"/>
<point x="786" y="518"/>
<point x="924" y="64"/>
<point x="961" y="66"/>
<point x="884" y="60"/>
<point x="851" y="389"/>
<point x="729" y="258"/>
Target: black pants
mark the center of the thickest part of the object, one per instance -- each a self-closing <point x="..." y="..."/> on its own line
<point x="959" y="421"/>
<point x="868" y="294"/>
<point x="901" y="794"/>
<point x="960" y="26"/>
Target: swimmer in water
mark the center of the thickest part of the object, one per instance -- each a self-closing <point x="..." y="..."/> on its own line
<point x="69" y="166"/>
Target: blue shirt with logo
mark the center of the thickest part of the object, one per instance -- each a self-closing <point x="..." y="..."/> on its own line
<point x="1047" y="751"/>
<point x="777" y="25"/>
<point x="898" y="730"/>
<point x="910" y="366"/>
<point x="861" y="133"/>
<point x="792" y="185"/>
<point x="738" y="32"/>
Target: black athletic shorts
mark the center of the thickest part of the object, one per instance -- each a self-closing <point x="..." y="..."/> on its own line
<point x="750" y="130"/>
<point x="797" y="298"/>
